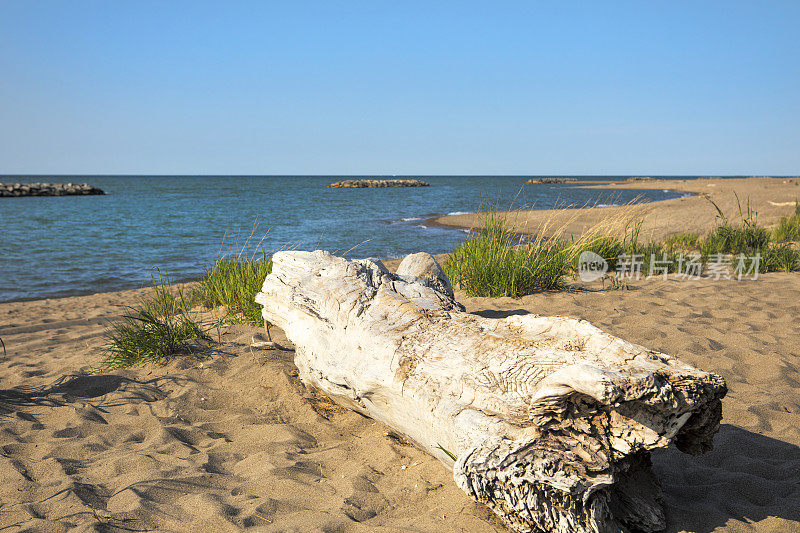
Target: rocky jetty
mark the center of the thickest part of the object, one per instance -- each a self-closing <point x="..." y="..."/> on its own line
<point x="359" y="184"/>
<point x="642" y="178"/>
<point x="552" y="180"/>
<point x="47" y="189"/>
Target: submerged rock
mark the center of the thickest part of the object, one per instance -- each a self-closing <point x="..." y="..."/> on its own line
<point x="47" y="189"/>
<point x="358" y="184"/>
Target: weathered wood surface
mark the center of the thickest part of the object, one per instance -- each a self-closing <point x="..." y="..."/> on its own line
<point x="551" y="419"/>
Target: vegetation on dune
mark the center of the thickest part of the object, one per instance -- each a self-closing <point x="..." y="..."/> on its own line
<point x="780" y="257"/>
<point x="160" y="326"/>
<point x="789" y="227"/>
<point x="729" y="238"/>
<point x="163" y="324"/>
<point x="747" y="240"/>
<point x="233" y="282"/>
<point x="682" y="242"/>
<point x="494" y="261"/>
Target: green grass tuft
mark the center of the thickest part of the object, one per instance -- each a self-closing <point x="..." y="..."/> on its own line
<point x="686" y="241"/>
<point x="492" y="262"/>
<point x="728" y="238"/>
<point x="234" y="282"/>
<point x="780" y="257"/>
<point x="160" y="326"/>
<point x="609" y="248"/>
<point x="789" y="227"/>
<point x="748" y="238"/>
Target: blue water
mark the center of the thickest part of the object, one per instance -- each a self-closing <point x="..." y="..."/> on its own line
<point x="61" y="246"/>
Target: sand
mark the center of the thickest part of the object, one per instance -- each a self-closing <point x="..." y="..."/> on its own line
<point x="227" y="438"/>
<point x="771" y="198"/>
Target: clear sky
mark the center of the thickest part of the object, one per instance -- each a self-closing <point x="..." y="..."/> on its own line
<point x="401" y="87"/>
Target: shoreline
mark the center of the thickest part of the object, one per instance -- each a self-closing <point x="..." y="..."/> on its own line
<point x="38" y="285"/>
<point x="674" y="215"/>
<point x="439" y="222"/>
<point x="771" y="198"/>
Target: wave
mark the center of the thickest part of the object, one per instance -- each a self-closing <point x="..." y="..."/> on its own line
<point x="458" y="213"/>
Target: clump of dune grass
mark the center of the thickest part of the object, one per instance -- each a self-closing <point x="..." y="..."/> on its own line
<point x="747" y="238"/>
<point x="788" y="228"/>
<point x="730" y="238"/>
<point x="493" y="262"/>
<point x="234" y="280"/>
<point x="685" y="241"/>
<point x="649" y="258"/>
<point x="608" y="247"/>
<point x="782" y="257"/>
<point x="161" y="325"/>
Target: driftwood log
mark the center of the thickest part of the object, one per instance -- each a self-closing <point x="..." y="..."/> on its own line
<point x="550" y="420"/>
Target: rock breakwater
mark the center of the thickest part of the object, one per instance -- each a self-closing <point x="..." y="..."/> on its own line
<point x="359" y="184"/>
<point x="552" y="180"/>
<point x="47" y="189"/>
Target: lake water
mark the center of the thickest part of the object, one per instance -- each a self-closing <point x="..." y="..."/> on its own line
<point x="61" y="246"/>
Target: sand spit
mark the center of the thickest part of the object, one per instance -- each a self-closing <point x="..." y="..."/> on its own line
<point x="228" y="438"/>
<point x="772" y="198"/>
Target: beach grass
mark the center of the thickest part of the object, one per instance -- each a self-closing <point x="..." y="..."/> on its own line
<point x="493" y="262"/>
<point x="161" y="325"/>
<point x="233" y="282"/>
<point x="788" y="228"/>
<point x="685" y="241"/>
<point x="235" y="278"/>
<point x="164" y="323"/>
<point x="748" y="239"/>
<point x="782" y="256"/>
<point x="732" y="238"/>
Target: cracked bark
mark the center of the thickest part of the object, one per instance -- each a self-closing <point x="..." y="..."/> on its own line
<point x="551" y="420"/>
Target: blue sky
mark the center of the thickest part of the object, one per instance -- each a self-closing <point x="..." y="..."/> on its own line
<point x="406" y="87"/>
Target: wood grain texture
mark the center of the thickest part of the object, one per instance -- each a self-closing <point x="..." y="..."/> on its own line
<point x="550" y="419"/>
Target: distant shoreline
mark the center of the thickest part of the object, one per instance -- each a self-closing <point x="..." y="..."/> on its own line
<point x="442" y="221"/>
<point x="770" y="197"/>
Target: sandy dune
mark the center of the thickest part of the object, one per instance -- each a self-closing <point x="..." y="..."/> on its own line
<point x="228" y="438"/>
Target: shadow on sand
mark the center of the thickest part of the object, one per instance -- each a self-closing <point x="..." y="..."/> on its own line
<point x="77" y="387"/>
<point x="747" y="477"/>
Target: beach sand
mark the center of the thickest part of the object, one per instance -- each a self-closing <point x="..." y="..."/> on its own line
<point x="228" y="437"/>
<point x="771" y="198"/>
